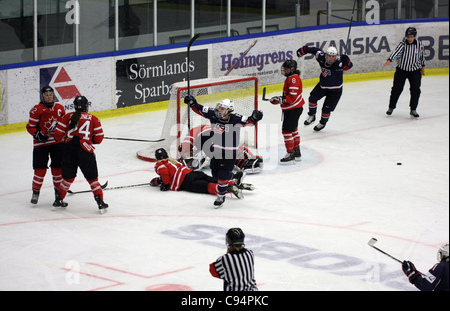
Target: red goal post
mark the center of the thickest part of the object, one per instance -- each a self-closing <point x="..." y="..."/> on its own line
<point x="243" y="91"/>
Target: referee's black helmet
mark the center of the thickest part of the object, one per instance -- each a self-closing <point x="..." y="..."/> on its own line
<point x="235" y="237"/>
<point x="411" y="31"/>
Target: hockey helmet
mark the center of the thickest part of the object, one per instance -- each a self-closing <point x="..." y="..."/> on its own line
<point x="235" y="237"/>
<point x="44" y="91"/>
<point x="331" y="51"/>
<point x="442" y="254"/>
<point x="161" y="154"/>
<point x="227" y="105"/>
<point x="291" y="64"/>
<point x="81" y="103"/>
<point x="411" y="31"/>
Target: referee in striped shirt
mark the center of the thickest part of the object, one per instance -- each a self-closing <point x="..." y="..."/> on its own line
<point x="411" y="65"/>
<point x="236" y="267"/>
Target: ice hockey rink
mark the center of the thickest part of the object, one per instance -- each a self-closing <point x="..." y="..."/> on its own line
<point x="366" y="175"/>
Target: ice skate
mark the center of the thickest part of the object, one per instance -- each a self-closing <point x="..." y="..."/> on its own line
<point x="219" y="201"/>
<point x="236" y="191"/>
<point x="389" y="111"/>
<point x="59" y="203"/>
<point x="35" y="197"/>
<point x="413" y="114"/>
<point x="310" y="119"/>
<point x="102" y="206"/>
<point x="319" y="127"/>
<point x="297" y="154"/>
<point x="238" y="177"/>
<point x="256" y="166"/>
<point x="289" y="158"/>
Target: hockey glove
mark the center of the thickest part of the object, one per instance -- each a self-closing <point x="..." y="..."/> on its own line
<point x="40" y="137"/>
<point x="256" y="115"/>
<point x="410" y="270"/>
<point x="276" y="100"/>
<point x="345" y="62"/>
<point x="164" y="187"/>
<point x="301" y="51"/>
<point x="155" y="182"/>
<point x="190" y="100"/>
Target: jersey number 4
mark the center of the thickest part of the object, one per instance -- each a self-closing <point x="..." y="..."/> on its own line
<point x="83" y="131"/>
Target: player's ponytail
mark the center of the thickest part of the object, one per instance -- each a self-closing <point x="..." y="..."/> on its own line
<point x="73" y="123"/>
<point x="173" y="161"/>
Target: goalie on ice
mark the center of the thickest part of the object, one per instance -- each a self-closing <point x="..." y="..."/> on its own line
<point x="193" y="155"/>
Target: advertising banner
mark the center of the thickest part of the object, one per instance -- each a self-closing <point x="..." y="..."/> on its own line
<point x="135" y="79"/>
<point x="91" y="78"/>
<point x="142" y="80"/>
<point x="369" y="47"/>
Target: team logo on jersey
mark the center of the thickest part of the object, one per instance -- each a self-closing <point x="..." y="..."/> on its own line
<point x="220" y="128"/>
<point x="326" y="72"/>
<point x="59" y="79"/>
<point x="51" y="124"/>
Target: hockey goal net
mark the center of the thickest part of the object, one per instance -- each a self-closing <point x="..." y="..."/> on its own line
<point x="243" y="91"/>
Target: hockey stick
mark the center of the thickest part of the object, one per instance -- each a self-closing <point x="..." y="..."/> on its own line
<point x="129" y="186"/>
<point x="195" y="37"/>
<point x="371" y="243"/>
<point x="350" y="28"/>
<point x="188" y="61"/>
<point x="101" y="186"/>
<point x="243" y="55"/>
<point x="131" y="139"/>
<point x="264" y="95"/>
<point x="111" y="188"/>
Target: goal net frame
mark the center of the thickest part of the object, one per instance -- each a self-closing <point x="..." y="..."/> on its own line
<point x="173" y="136"/>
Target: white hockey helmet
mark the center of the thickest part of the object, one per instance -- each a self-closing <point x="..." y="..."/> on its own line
<point x="442" y="254"/>
<point x="227" y="105"/>
<point x="331" y="51"/>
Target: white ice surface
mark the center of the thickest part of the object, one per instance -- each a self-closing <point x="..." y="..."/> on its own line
<point x="308" y="223"/>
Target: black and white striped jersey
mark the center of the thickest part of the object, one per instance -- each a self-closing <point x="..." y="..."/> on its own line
<point x="236" y="269"/>
<point x="409" y="57"/>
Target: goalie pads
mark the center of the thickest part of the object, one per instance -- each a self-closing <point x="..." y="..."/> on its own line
<point x="197" y="162"/>
<point x="251" y="166"/>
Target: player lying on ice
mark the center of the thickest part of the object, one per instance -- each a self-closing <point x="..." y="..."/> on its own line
<point x="175" y="176"/>
<point x="199" y="138"/>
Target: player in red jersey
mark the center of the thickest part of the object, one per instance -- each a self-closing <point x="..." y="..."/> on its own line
<point x="177" y="177"/>
<point x="41" y="125"/>
<point x="291" y="103"/>
<point x="81" y="131"/>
